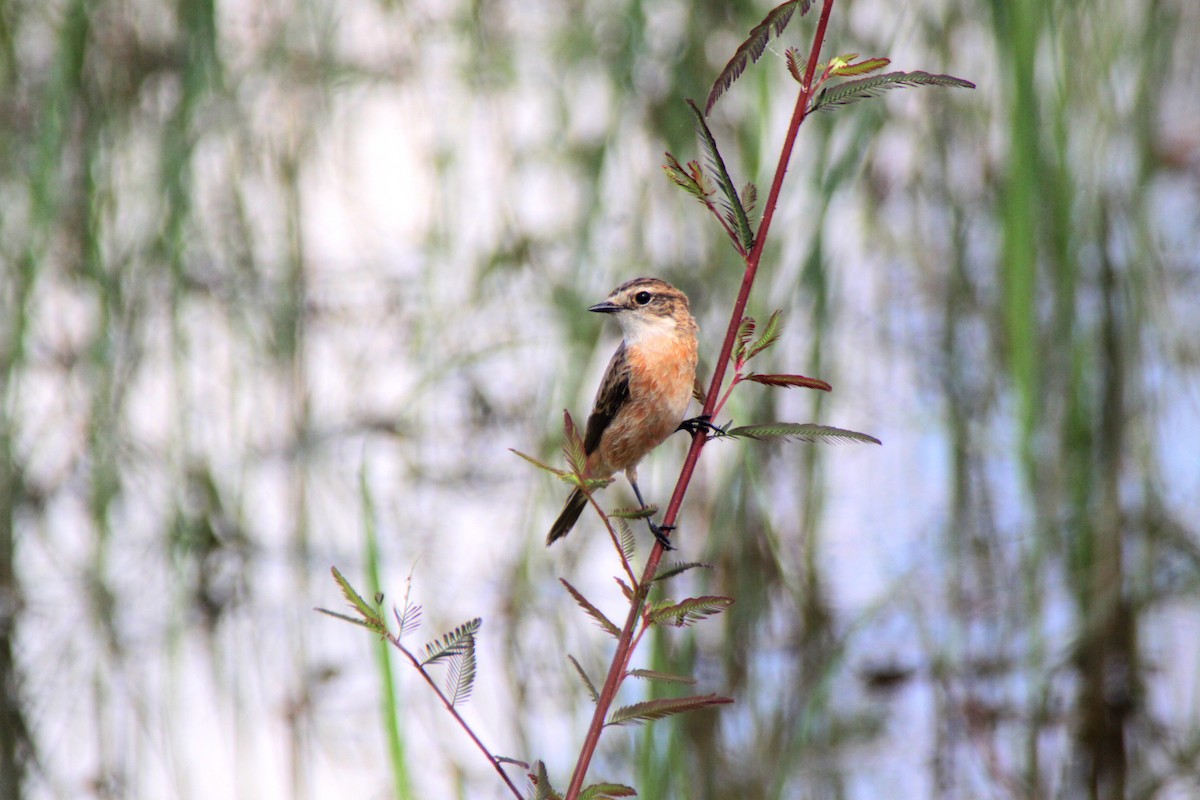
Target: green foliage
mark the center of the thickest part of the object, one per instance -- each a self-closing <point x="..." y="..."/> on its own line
<point x="541" y="464"/>
<point x="390" y="708"/>
<point x="688" y="612"/>
<point x="664" y="677"/>
<point x="370" y="619"/>
<point x="635" y="512"/>
<point x="769" y="335"/>
<point x="692" y="179"/>
<point x="454" y="643"/>
<point x="541" y="784"/>
<point x="626" y="540"/>
<point x="677" y="568"/>
<point x="752" y="49"/>
<point x="844" y="69"/>
<point x="734" y="213"/>
<point x="650" y="710"/>
<point x="750" y="198"/>
<point x="601" y="791"/>
<point x="583" y="676"/>
<point x="864" y="88"/>
<point x="596" y="614"/>
<point x="573" y="445"/>
<point x="742" y="338"/>
<point x="803" y="431"/>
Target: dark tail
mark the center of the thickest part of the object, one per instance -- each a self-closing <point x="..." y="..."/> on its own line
<point x="574" y="506"/>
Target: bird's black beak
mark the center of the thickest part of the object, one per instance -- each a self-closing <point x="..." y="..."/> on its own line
<point x="605" y="307"/>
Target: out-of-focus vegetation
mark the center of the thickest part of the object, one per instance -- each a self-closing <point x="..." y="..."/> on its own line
<point x="281" y="282"/>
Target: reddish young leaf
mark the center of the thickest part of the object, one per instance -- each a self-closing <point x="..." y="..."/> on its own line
<point x="787" y="381"/>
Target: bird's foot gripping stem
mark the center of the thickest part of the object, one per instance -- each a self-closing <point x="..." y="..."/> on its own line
<point x="700" y="423"/>
<point x="660" y="533"/>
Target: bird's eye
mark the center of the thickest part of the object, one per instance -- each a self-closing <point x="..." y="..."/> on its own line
<point x="642" y="298"/>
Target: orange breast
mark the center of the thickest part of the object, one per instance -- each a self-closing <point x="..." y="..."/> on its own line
<point x="661" y="375"/>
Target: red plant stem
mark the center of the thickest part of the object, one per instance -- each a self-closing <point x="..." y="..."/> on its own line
<point x="623" y="653"/>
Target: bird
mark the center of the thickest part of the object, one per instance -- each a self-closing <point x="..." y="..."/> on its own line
<point x="645" y="391"/>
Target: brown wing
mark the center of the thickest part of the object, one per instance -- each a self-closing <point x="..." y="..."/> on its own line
<point x="614" y="391"/>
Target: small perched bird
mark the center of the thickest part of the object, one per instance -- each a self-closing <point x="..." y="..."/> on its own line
<point x="645" y="390"/>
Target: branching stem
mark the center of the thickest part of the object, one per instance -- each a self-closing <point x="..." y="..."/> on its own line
<point x="395" y="640"/>
<point x="625" y="642"/>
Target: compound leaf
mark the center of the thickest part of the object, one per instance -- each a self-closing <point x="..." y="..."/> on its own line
<point x="587" y="682"/>
<point x="671" y="570"/>
<point x="604" y="622"/>
<point x="639" y="713"/>
<point x="804" y="431"/>
<point x="689" y="611"/>
<point x="452" y="643"/>
<point x="665" y="677"/>
<point x="752" y="49"/>
<point x="864" y="88"/>
<point x="460" y="675"/>
<point x="604" y="791"/>
<point x="770" y="334"/>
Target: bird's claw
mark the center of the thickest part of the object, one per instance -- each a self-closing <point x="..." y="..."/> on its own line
<point x="660" y="533"/>
<point x="701" y="423"/>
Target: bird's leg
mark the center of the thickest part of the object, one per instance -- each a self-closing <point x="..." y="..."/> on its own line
<point x="660" y="531"/>
<point x="700" y="423"/>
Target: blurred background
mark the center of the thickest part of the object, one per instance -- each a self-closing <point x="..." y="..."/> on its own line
<point x="281" y="281"/>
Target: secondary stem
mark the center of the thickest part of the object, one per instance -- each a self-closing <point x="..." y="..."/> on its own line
<point x="458" y="717"/>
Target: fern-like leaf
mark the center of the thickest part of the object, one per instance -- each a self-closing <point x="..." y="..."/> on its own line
<point x="583" y="676"/>
<point x="626" y="539"/>
<point x="606" y="791"/>
<point x="752" y="49"/>
<point x="796" y="62"/>
<point x="452" y="643"/>
<point x="690" y="611"/>
<point x="541" y="781"/>
<point x="540" y="464"/>
<point x="604" y="622"/>
<point x="664" y="677"/>
<point x="770" y="334"/>
<point x="749" y="198"/>
<point x="573" y="445"/>
<point x="409" y="619"/>
<point x="671" y="570"/>
<point x="639" y="713"/>
<point x="804" y="431"/>
<point x="735" y="214"/>
<point x="744" y="332"/>
<point x="635" y="512"/>
<point x="788" y="381"/>
<point x="460" y="675"/>
<point x="861" y="68"/>
<point x="863" y="88"/>
<point x="692" y="179"/>
<point x="347" y="618"/>
<point x="370" y="618"/>
<point x="625" y="590"/>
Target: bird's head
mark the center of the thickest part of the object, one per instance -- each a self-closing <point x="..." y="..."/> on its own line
<point x="647" y="307"/>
